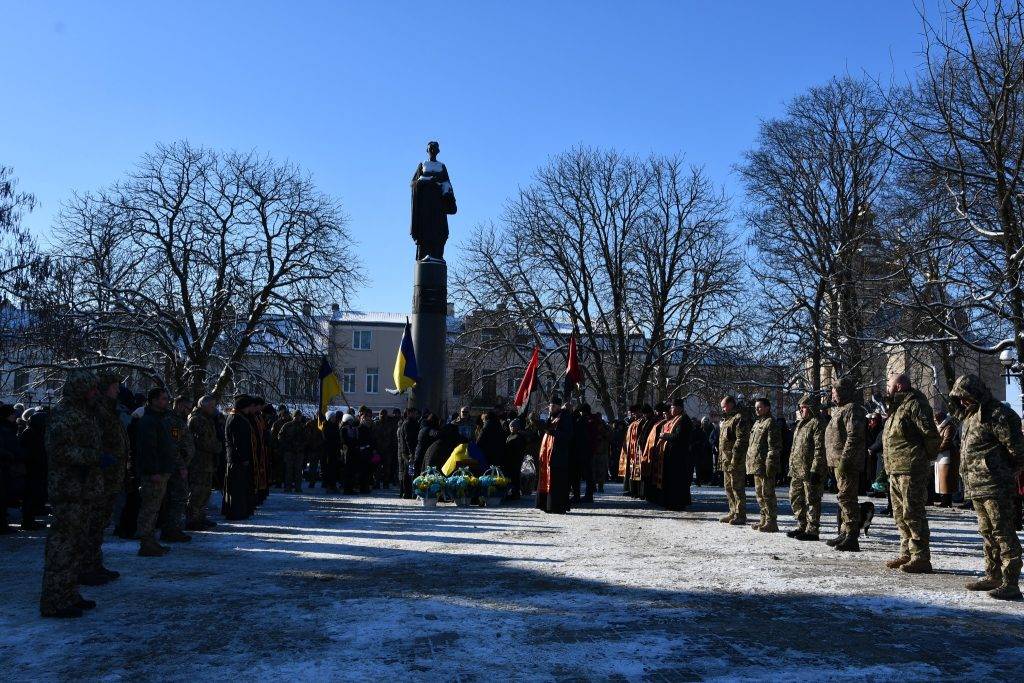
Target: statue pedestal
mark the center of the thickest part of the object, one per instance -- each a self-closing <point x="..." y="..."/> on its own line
<point x="430" y="334"/>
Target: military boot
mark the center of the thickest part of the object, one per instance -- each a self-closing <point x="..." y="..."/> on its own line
<point x="897" y="562"/>
<point x="1007" y="591"/>
<point x="148" y="547"/>
<point x="93" y="578"/>
<point x="739" y="521"/>
<point x="849" y="544"/>
<point x="986" y="584"/>
<point x="793" y="533"/>
<point x="833" y="542"/>
<point x="175" y="536"/>
<point x="84" y="604"/>
<point x="770" y="527"/>
<point x="918" y="565"/>
<point x="727" y="519"/>
<point x="808" y="536"/>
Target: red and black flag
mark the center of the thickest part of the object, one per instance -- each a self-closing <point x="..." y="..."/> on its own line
<point x="528" y="384"/>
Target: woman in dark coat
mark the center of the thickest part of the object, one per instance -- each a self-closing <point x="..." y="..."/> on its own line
<point x="492" y="439"/>
<point x="241" y="444"/>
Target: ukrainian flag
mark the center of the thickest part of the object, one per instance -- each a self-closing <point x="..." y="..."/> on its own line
<point x="406" y="373"/>
<point x="329" y="385"/>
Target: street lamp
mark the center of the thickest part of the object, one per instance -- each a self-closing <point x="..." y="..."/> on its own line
<point x="1012" y="369"/>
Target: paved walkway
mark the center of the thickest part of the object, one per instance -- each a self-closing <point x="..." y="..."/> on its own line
<point x="369" y="588"/>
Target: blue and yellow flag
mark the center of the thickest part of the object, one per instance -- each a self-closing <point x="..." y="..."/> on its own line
<point x="329" y="385"/>
<point x="406" y="373"/>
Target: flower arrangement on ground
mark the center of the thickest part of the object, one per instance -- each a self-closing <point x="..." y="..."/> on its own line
<point x="429" y="485"/>
<point x="462" y="485"/>
<point x="493" y="485"/>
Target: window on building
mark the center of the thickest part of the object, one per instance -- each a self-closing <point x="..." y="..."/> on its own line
<point x="348" y="380"/>
<point x="372" y="380"/>
<point x="488" y="386"/>
<point x="21" y="381"/>
<point x="462" y="382"/>
<point x="362" y="339"/>
<point x="292" y="384"/>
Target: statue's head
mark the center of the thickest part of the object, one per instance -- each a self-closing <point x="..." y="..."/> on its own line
<point x="433" y="149"/>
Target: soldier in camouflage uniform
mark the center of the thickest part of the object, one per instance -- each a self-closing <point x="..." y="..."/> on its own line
<point x="764" y="452"/>
<point x="910" y="443"/>
<point x="74" y="444"/>
<point x="846" y="449"/>
<point x="991" y="455"/>
<point x="155" y="456"/>
<point x="292" y="442"/>
<point x="208" y="447"/>
<point x="114" y="444"/>
<point x="807" y="470"/>
<point x="733" y="437"/>
<point x="176" y="500"/>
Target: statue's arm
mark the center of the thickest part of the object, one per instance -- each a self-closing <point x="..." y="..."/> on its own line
<point x="418" y="173"/>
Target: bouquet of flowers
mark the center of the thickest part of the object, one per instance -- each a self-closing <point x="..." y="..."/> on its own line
<point x="462" y="485"/>
<point x="429" y="484"/>
<point x="493" y="484"/>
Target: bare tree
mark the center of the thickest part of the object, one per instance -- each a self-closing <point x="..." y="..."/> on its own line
<point x="633" y="255"/>
<point x="811" y="182"/>
<point x="196" y="263"/>
<point x="964" y="128"/>
<point x="19" y="251"/>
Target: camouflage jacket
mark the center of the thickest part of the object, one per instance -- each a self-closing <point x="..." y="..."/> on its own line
<point x="991" y="443"/>
<point x="292" y="437"/>
<point x="733" y="437"/>
<point x="910" y="440"/>
<point x="764" y="452"/>
<point x="204" y="435"/>
<point x="115" y="443"/>
<point x="846" y="437"/>
<point x="808" y="453"/>
<point x="182" y="435"/>
<point x="74" y="444"/>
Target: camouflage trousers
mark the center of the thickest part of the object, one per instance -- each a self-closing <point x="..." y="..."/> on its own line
<point x="764" y="487"/>
<point x="849" y="508"/>
<point x="200" y="482"/>
<point x="1002" y="547"/>
<point x="65" y="544"/>
<point x="151" y="497"/>
<point x="175" y="503"/>
<point x="909" y="493"/>
<point x="735" y="491"/>
<point x="98" y="518"/>
<point x="293" y="464"/>
<point x="805" y="498"/>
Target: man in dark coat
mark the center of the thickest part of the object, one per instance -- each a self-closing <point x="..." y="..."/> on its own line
<point x="407" y="434"/>
<point x="430" y="431"/>
<point x="512" y="461"/>
<point x="155" y="455"/>
<point x="240" y="443"/>
<point x="553" y="463"/>
<point x="331" y="452"/>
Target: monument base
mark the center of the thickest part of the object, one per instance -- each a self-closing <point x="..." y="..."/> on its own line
<point x="430" y="334"/>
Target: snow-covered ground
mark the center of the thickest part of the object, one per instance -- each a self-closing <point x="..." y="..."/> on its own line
<point x="375" y="588"/>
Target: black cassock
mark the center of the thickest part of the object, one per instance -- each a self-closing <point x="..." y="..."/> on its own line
<point x="238" y="484"/>
<point x="678" y="467"/>
<point x="432" y="202"/>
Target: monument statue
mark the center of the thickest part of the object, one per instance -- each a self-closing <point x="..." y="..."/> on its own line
<point x="432" y="202"/>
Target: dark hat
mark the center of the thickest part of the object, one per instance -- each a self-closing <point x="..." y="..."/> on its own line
<point x="678" y="403"/>
<point x="243" y="401"/>
<point x="809" y="400"/>
<point x="556" y="399"/>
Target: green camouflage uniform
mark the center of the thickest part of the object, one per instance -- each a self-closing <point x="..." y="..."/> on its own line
<point x="177" y="486"/>
<point x="909" y="443"/>
<point x="846" y="450"/>
<point x="292" y="442"/>
<point x="733" y="437"/>
<point x="764" y="452"/>
<point x="75" y="483"/>
<point x="807" y="458"/>
<point x="991" y="455"/>
<point x="115" y="444"/>
<point x="200" y="472"/>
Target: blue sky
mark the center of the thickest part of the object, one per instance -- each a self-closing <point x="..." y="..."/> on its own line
<point x="353" y="91"/>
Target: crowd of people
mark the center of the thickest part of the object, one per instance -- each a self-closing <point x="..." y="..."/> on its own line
<point x="148" y="464"/>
